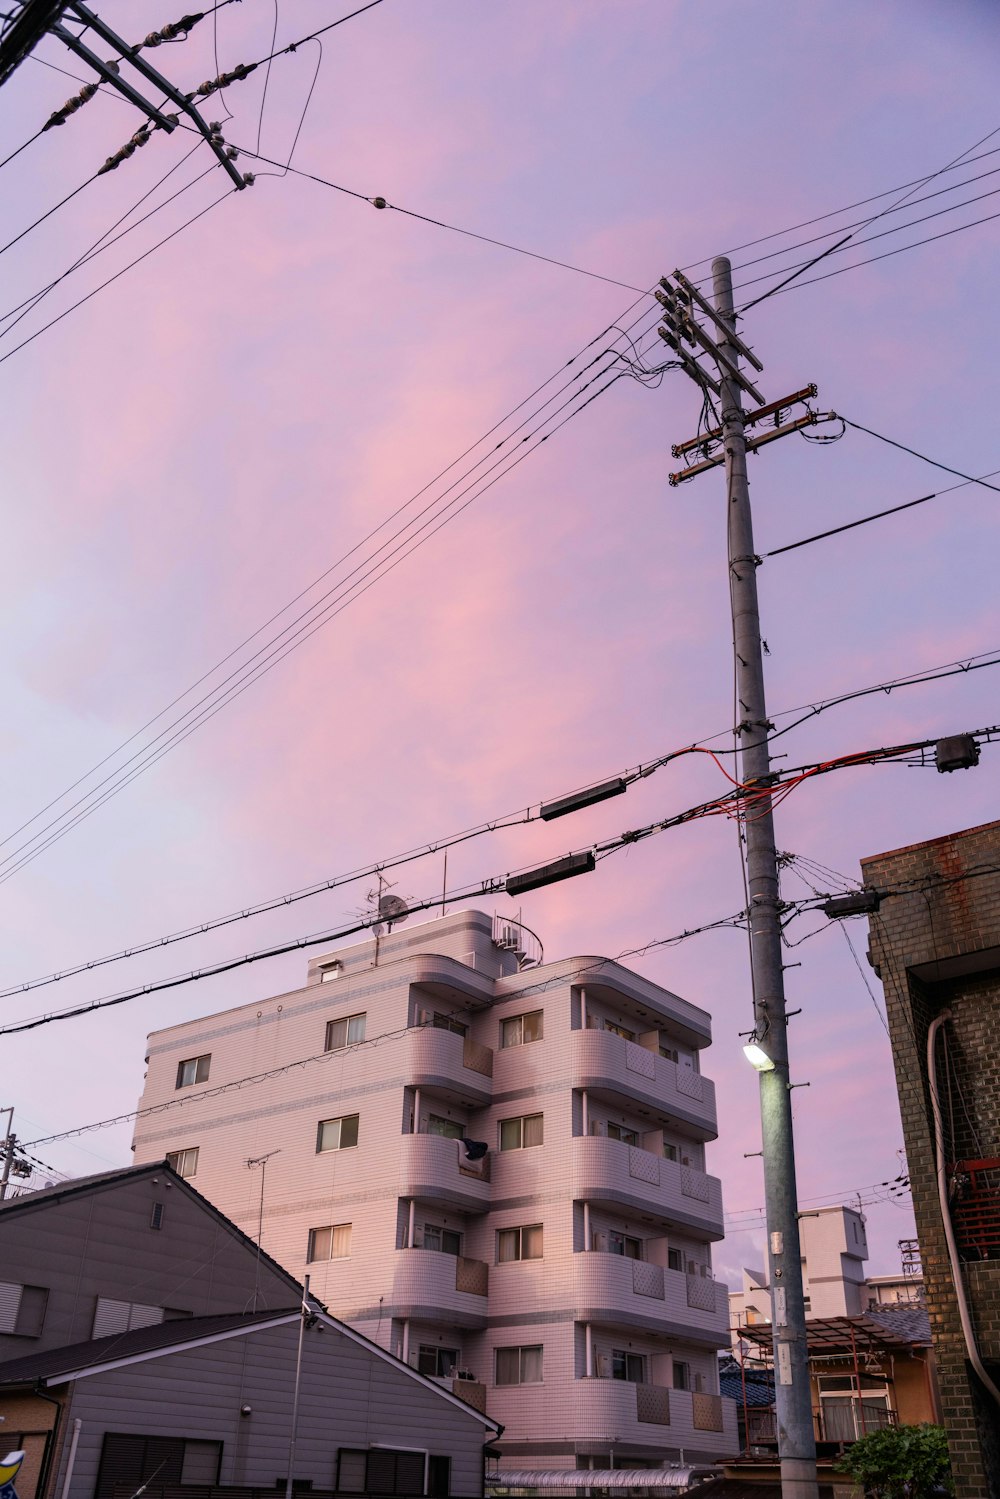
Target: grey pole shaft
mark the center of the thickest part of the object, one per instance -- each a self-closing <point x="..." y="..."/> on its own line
<point x="8" y="1153"/>
<point x="793" y="1401"/>
<point x="293" y="1437"/>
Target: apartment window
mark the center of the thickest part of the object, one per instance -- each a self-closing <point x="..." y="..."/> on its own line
<point x="331" y="970"/>
<point x="449" y="1023"/>
<point x="630" y="1366"/>
<point x="619" y="1030"/>
<point x="675" y="1259"/>
<point x="619" y="1132"/>
<point x="519" y="1365"/>
<point x="194" y="1070"/>
<point x="439" y="1363"/>
<point x="518" y="1134"/>
<point x="670" y="1052"/>
<point x="520" y="1029"/>
<point x="156" y="1216"/>
<point x="330" y="1243"/>
<point x="449" y="1128"/>
<point x="519" y="1244"/>
<point x="337" y="1134"/>
<point x="669" y="1151"/>
<point x="623" y="1244"/>
<point x="380" y="1470"/>
<point x="22" y="1309"/>
<point x="682" y="1375"/>
<point x="445" y="1240"/>
<point x="347" y="1031"/>
<point x="184" y="1162"/>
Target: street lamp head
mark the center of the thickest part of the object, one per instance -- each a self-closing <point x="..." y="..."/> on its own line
<point x="758" y="1057"/>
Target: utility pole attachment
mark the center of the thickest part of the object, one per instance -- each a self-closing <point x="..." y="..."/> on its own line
<point x="10" y="1141"/>
<point x="769" y="1041"/>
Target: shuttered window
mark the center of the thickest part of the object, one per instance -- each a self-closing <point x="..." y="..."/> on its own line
<point x="22" y="1309"/>
<point x="121" y="1316"/>
<point x="380" y="1470"/>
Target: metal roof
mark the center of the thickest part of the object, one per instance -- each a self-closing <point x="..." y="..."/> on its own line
<point x="906" y="1328"/>
<point x="596" y="1478"/>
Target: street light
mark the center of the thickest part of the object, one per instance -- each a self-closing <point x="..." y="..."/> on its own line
<point x="758" y="1057"/>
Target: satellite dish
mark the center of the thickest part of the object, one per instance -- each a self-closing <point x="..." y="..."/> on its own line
<point x="393" y="909"/>
<point x="378" y="929"/>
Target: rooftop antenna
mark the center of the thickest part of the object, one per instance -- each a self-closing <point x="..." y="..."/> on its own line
<point x="389" y="911"/>
<point x="261" y="1161"/>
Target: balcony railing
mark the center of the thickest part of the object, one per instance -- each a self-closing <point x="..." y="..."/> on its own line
<point x="976" y="1208"/>
<point x="832" y="1423"/>
<point x="604" y="1170"/>
<point x="620" y="1071"/>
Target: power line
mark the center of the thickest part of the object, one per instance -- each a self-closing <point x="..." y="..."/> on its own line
<point x="966" y="478"/>
<point x="736" y="803"/>
<point x="880" y="514"/>
<point x="373" y="562"/>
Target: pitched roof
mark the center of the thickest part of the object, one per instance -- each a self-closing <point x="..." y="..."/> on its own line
<point x="52" y="1362"/>
<point x="102" y="1180"/>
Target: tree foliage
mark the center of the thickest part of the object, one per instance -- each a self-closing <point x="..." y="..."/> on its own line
<point x="900" y="1462"/>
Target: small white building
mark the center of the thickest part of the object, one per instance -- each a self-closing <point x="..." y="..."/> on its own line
<point x="492" y="1168"/>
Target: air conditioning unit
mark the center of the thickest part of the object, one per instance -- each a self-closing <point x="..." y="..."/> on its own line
<point x="692" y="1267"/>
<point x="601" y="1242"/>
<point x="602" y="1365"/>
<point x="685" y="1160"/>
<point x="598" y="1127"/>
<point x="699" y="1384"/>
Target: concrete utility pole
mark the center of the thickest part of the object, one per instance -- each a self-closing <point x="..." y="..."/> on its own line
<point x="793" y="1400"/>
<point x="10" y="1141"/>
<point x="686" y="314"/>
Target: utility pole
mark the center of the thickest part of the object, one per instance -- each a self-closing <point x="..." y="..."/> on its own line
<point x="10" y="1141"/>
<point x="769" y="1040"/>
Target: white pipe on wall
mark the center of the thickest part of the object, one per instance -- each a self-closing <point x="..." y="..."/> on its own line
<point x="587" y="1241"/>
<point x="411" y="1225"/>
<point x="589" y="1333"/>
<point x="71" y="1459"/>
<point x="405" y="1354"/>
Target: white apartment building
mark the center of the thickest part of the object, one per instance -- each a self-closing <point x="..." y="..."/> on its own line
<point x="496" y="1171"/>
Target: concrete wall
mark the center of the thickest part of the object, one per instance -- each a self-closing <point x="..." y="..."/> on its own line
<point x="935" y="943"/>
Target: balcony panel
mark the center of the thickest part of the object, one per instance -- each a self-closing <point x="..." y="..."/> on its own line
<point x="611" y="1290"/>
<point x="449" y="1066"/>
<point x="634" y="1415"/>
<point x="662" y="1191"/>
<point x="626" y="1076"/>
<point x="425" y="1287"/>
<point x="435" y="1171"/>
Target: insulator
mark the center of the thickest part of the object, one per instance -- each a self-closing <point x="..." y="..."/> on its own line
<point x="249" y="179"/>
<point x="60" y="116"/>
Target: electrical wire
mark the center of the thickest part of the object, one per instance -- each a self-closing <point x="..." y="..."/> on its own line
<point x="733" y="803"/>
<point x="533" y="415"/>
<point x="874" y="218"/>
<point x="880" y="514"/>
<point x="966" y="478"/>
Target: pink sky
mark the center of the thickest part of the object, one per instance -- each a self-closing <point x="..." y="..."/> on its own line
<point x="204" y="438"/>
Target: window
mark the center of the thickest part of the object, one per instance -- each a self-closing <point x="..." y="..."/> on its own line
<point x="449" y="1023"/>
<point x="622" y="1244"/>
<point x="519" y="1365"/>
<point x="619" y="1030"/>
<point x="112" y="1316"/>
<point x="439" y="1363"/>
<point x="201" y="1462"/>
<point x="337" y="1134"/>
<point x="682" y="1375"/>
<point x="520" y="1029"/>
<point x="519" y="1244"/>
<point x="451" y="1129"/>
<point x="331" y="970"/>
<point x="345" y="1032"/>
<point x="22" y="1309"/>
<point x="619" y="1132"/>
<point x="630" y="1366"/>
<point x="518" y="1134"/>
<point x="330" y="1243"/>
<point x="380" y="1470"/>
<point x="194" y="1070"/>
<point x="670" y="1052"/>
<point x="184" y="1162"/>
<point x="156" y="1216"/>
<point x="438" y="1476"/>
<point x="675" y="1259"/>
<point x="444" y="1240"/>
<point x="669" y="1150"/>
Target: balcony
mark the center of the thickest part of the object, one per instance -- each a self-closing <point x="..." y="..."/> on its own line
<point x="633" y="1414"/>
<point x="844" y="1421"/>
<point x="614" y="1291"/>
<point x="449" y="1066"/>
<point x="430" y="1286"/>
<point x="625" y="1076"/>
<point x="436" y="1172"/>
<point x="677" y="1196"/>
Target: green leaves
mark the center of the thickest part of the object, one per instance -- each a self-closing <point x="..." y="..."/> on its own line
<point x="900" y="1462"/>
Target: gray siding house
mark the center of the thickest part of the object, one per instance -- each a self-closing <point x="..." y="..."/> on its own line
<point x="158" y="1349"/>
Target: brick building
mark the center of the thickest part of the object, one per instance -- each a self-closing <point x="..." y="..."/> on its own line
<point x="935" y="944"/>
<point x="496" y="1171"/>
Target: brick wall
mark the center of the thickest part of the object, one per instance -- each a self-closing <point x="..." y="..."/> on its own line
<point x="935" y="944"/>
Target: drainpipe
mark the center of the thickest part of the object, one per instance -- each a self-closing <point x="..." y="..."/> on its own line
<point x="486" y="1446"/>
<point x="583" y="1009"/>
<point x="50" y="1446"/>
<point x="589" y="1335"/>
<point x="411" y="1223"/>
<point x="949" y="1232"/>
<point x="585" y="1112"/>
<point x="405" y="1352"/>
<point x="71" y="1459"/>
<point x="587" y="1241"/>
<point x="416" y="1111"/>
